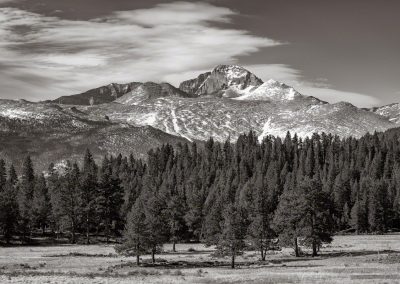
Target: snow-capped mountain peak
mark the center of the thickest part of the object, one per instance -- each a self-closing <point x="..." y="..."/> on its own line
<point x="234" y="73"/>
<point x="220" y="79"/>
<point x="236" y="82"/>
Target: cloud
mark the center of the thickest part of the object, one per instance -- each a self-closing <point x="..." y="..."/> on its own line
<point x="7" y="1"/>
<point x="45" y="57"/>
<point x="178" y="13"/>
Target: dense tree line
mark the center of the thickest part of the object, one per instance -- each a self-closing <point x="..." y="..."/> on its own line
<point x="70" y="200"/>
<point x="234" y="196"/>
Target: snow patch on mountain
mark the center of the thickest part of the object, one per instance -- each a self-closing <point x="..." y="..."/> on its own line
<point x="177" y="129"/>
<point x="392" y="112"/>
<point x="265" y="130"/>
<point x="145" y="119"/>
<point x="270" y="90"/>
<point x="19" y="114"/>
<point x="134" y="97"/>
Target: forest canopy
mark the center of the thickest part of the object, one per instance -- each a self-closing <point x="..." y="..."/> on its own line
<point x="236" y="196"/>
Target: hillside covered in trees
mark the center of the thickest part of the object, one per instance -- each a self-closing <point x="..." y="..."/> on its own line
<point x="235" y="196"/>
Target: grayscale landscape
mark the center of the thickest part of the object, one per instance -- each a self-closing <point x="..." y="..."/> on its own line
<point x="229" y="141"/>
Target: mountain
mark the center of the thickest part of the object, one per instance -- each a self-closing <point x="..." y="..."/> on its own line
<point x="150" y="90"/>
<point x="101" y="95"/>
<point x="191" y="86"/>
<point x="126" y="93"/>
<point x="203" y="117"/>
<point x="222" y="81"/>
<point x="392" y="112"/>
<point x="275" y="91"/>
<point x="53" y="133"/>
<point x="230" y="100"/>
<point x="134" y="117"/>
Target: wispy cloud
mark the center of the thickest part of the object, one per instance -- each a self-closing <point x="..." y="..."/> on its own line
<point x="7" y="1"/>
<point x="45" y="57"/>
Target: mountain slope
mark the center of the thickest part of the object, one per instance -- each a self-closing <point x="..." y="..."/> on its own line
<point x="150" y="90"/>
<point x="274" y="91"/>
<point x="392" y="112"/>
<point x="51" y="133"/>
<point x="124" y="93"/>
<point x="201" y="118"/>
<point x="101" y="95"/>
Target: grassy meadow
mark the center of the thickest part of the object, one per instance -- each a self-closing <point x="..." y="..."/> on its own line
<point x="348" y="259"/>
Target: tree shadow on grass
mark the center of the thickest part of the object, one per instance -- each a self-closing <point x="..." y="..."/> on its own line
<point x="355" y="253"/>
<point x="217" y="264"/>
<point x="202" y="252"/>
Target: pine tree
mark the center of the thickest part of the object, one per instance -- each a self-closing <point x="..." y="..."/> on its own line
<point x="136" y="234"/>
<point x="211" y="228"/>
<point x="377" y="210"/>
<point x="317" y="220"/>
<point x="232" y="238"/>
<point x="156" y="223"/>
<point x="288" y="216"/>
<point x="3" y="174"/>
<point x="9" y="214"/>
<point x="356" y="216"/>
<point x="41" y="203"/>
<point x="88" y="187"/>
<point x="54" y="190"/>
<point x="70" y="203"/>
<point x="175" y="215"/>
<point x="195" y="201"/>
<point x="260" y="232"/>
<point x="12" y="175"/>
<point x="109" y="198"/>
<point x="25" y="196"/>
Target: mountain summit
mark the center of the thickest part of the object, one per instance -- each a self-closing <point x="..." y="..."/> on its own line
<point x="236" y="82"/>
<point x="223" y="80"/>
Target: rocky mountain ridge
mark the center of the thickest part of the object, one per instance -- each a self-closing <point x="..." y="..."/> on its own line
<point x="135" y="117"/>
<point x="391" y="111"/>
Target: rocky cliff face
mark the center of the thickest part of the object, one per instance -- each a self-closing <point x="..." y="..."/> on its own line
<point x="191" y="86"/>
<point x="221" y="79"/>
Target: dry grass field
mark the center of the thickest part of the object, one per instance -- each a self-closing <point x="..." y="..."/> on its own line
<point x="349" y="259"/>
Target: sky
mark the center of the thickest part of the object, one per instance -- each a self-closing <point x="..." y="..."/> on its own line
<point x="342" y="50"/>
